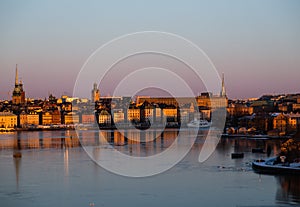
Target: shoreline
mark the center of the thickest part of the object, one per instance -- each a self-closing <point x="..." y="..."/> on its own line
<point x="247" y="136"/>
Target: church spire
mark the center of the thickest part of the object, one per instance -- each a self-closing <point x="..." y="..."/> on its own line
<point x="16" y="80"/>
<point x="223" y="91"/>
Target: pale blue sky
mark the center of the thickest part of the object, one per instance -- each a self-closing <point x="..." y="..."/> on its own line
<point x="255" y="43"/>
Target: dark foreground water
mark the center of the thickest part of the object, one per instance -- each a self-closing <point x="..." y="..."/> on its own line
<point x="55" y="171"/>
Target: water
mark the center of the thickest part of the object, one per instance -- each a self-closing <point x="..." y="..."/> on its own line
<point x="55" y="171"/>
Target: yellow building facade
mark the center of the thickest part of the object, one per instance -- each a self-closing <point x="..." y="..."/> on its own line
<point x="104" y="117"/>
<point x="133" y="114"/>
<point x="71" y="118"/>
<point x="280" y="124"/>
<point x="8" y="120"/>
<point x="31" y="118"/>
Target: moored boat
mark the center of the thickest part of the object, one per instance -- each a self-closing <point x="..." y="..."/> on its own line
<point x="273" y="166"/>
<point x="199" y="123"/>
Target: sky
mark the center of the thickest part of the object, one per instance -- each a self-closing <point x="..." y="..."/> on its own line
<point x="254" y="43"/>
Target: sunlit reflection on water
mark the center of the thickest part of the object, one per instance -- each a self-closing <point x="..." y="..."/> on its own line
<point x="55" y="171"/>
<point x="288" y="190"/>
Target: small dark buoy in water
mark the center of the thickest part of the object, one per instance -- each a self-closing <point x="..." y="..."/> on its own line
<point x="17" y="155"/>
<point x="237" y="155"/>
<point x="258" y="150"/>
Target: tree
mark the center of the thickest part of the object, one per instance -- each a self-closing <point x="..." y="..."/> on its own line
<point x="290" y="149"/>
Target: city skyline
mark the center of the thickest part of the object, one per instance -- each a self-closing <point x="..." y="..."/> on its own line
<point x="150" y="103"/>
<point x="148" y="92"/>
<point x="254" y="43"/>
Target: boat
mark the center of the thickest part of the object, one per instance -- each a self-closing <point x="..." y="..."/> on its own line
<point x="273" y="166"/>
<point x="199" y="123"/>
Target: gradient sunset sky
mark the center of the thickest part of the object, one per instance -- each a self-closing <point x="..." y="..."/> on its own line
<point x="255" y="43"/>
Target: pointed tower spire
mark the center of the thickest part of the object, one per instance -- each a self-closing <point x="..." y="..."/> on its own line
<point x="16" y="80"/>
<point x="223" y="91"/>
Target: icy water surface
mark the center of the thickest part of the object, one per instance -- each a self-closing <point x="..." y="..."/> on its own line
<point x="55" y="171"/>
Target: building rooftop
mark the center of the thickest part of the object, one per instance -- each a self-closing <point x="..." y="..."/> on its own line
<point x="7" y="114"/>
<point x="297" y="115"/>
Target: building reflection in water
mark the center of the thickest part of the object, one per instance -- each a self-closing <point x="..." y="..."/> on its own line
<point x="151" y="142"/>
<point x="17" y="158"/>
<point x="17" y="164"/>
<point x="140" y="143"/>
<point x="66" y="161"/>
<point x="130" y="142"/>
<point x="40" y="140"/>
<point x="288" y="190"/>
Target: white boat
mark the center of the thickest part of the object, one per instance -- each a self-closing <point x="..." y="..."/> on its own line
<point x="196" y="123"/>
<point x="272" y="166"/>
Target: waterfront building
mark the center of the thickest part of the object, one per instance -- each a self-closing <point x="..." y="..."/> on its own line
<point x="239" y="109"/>
<point x="157" y="115"/>
<point x="51" y="117"/>
<point x="104" y="118"/>
<point x="170" y="101"/>
<point x="280" y="123"/>
<point x="149" y="112"/>
<point x="118" y="115"/>
<point x="133" y="114"/>
<point x="285" y="123"/>
<point x="293" y="120"/>
<point x="56" y="117"/>
<point x="23" y="119"/>
<point x="146" y="112"/>
<point x="205" y="100"/>
<point x="185" y="115"/>
<point x="212" y="102"/>
<point x="18" y="96"/>
<point x="170" y="117"/>
<point x="170" y="113"/>
<point x="296" y="107"/>
<point x="46" y="118"/>
<point x="71" y="118"/>
<point x="206" y="103"/>
<point x="263" y="105"/>
<point x="158" y="112"/>
<point x="33" y="118"/>
<point x="109" y="102"/>
<point x="283" y="107"/>
<point x="87" y="118"/>
<point x="8" y="120"/>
